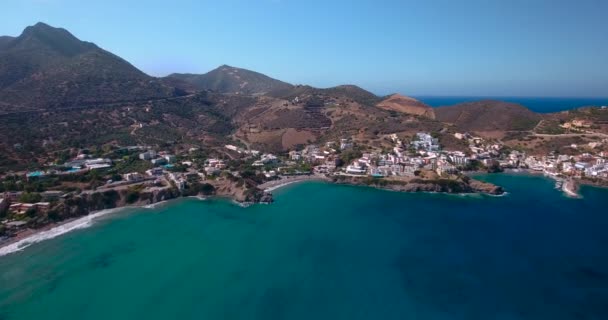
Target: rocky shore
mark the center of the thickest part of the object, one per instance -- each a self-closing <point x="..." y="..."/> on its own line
<point x="77" y="206"/>
<point x="459" y="186"/>
<point x="283" y="181"/>
<point x="82" y="205"/>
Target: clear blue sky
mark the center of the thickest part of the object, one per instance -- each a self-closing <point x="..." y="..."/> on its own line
<point x="483" y="48"/>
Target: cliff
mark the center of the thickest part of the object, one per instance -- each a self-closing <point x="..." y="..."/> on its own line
<point x="241" y="191"/>
<point x="85" y="203"/>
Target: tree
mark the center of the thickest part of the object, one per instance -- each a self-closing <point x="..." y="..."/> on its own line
<point x="30" y="197"/>
<point x="54" y="215"/>
<point x="132" y="196"/>
<point x="31" y="212"/>
<point x="349" y="155"/>
<point x="494" y="167"/>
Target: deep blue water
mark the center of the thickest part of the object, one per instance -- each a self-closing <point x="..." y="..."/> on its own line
<point x="537" y="104"/>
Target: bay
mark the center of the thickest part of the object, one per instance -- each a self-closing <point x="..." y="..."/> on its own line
<point x="324" y="251"/>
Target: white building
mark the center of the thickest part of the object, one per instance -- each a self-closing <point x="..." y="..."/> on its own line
<point x="148" y="155"/>
<point x="356" y="168"/>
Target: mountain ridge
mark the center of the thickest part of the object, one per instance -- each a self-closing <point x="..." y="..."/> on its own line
<point x="47" y="67"/>
<point x="232" y="80"/>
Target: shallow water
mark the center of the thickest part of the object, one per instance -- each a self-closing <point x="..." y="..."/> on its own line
<point x="327" y="252"/>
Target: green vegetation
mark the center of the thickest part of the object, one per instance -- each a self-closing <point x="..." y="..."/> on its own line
<point x="494" y="167"/>
<point x="550" y="127"/>
<point x="133" y="193"/>
<point x="349" y="156"/>
<point x="523" y="123"/>
<point x="131" y="164"/>
<point x="30" y="197"/>
<point x="197" y="188"/>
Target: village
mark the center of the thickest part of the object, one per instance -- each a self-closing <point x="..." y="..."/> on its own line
<point x="31" y="195"/>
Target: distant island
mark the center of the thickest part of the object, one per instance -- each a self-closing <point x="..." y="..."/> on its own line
<point x="83" y="130"/>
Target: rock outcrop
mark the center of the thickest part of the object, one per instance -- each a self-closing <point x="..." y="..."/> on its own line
<point x="460" y="185"/>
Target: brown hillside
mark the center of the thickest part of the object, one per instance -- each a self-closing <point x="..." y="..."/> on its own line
<point x="488" y="115"/>
<point x="231" y="80"/>
<point x="407" y="105"/>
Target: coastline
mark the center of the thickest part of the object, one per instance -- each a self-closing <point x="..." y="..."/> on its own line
<point x="277" y="184"/>
<point x="570" y="188"/>
<point x="33" y="236"/>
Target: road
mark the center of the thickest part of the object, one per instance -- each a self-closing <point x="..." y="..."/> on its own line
<point x="566" y="135"/>
<point x="118" y="186"/>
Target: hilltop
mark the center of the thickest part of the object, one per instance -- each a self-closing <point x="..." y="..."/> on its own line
<point x="231" y="80"/>
<point x="399" y="103"/>
<point x="47" y="67"/>
<point x="351" y="92"/>
<point x="488" y="115"/>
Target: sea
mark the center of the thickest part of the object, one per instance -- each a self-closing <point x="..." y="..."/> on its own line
<point x="324" y="251"/>
<point x="536" y="104"/>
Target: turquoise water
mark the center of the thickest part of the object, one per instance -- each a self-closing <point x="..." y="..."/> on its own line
<point x="537" y="104"/>
<point x="327" y="252"/>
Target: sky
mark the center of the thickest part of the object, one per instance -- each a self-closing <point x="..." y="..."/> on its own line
<point x="552" y="48"/>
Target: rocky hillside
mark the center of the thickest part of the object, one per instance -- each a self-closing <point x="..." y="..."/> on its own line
<point x="227" y="79"/>
<point x="407" y="105"/>
<point x="350" y="92"/>
<point x="57" y="93"/>
<point x="47" y="67"/>
<point x="488" y="115"/>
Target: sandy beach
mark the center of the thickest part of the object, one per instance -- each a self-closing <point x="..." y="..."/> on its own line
<point x="31" y="236"/>
<point x="284" y="181"/>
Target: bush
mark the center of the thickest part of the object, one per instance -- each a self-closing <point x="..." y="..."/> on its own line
<point x="30" y="197"/>
<point x="132" y="196"/>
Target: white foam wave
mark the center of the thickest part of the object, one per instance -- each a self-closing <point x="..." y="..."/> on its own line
<point x="80" y="223"/>
<point x="201" y="198"/>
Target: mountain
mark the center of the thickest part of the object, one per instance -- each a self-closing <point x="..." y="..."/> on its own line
<point x="350" y="92"/>
<point x="4" y="40"/>
<point x="47" y="67"/>
<point x="403" y="104"/>
<point x="227" y="79"/>
<point x="488" y="115"/>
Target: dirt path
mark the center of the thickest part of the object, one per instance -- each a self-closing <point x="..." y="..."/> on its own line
<point x="566" y="135"/>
